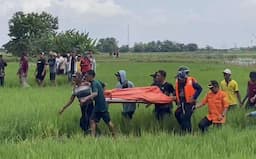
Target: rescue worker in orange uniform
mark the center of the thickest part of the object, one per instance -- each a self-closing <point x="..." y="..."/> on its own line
<point x="217" y="101"/>
<point x="187" y="91"/>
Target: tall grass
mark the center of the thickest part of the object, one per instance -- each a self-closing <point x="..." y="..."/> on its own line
<point x="30" y="126"/>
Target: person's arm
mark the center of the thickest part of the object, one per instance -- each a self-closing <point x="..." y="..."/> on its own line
<point x="245" y="98"/>
<point x="239" y="98"/>
<point x="198" y="91"/>
<point x="71" y="100"/>
<point x="44" y="70"/>
<point x="238" y="94"/>
<point x="89" y="97"/>
<point x="204" y="102"/>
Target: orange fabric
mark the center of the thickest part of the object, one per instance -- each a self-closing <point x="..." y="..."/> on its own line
<point x="189" y="89"/>
<point x="216" y="105"/>
<point x="150" y="94"/>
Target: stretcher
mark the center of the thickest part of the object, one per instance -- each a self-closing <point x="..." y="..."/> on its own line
<point x="148" y="95"/>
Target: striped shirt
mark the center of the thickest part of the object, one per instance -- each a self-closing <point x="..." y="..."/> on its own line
<point x="82" y="91"/>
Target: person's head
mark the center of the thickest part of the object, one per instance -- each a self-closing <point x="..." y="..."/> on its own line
<point x="77" y="78"/>
<point x="118" y="77"/>
<point x="160" y="76"/>
<point x="90" y="75"/>
<point x="182" y="76"/>
<point x="78" y="57"/>
<point x="89" y="53"/>
<point x="252" y="76"/>
<point x="213" y="86"/>
<point x="121" y="76"/>
<point x="41" y="55"/>
<point x="227" y="74"/>
<point x="185" y="69"/>
<point x="73" y="54"/>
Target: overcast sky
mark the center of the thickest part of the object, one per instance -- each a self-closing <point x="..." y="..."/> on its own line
<point x="218" y="23"/>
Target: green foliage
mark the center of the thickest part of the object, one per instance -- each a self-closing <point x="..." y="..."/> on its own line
<point x="34" y="33"/>
<point x="30" y="32"/>
<point x="124" y="48"/>
<point x="108" y="45"/>
<point x="164" y="46"/>
<point x="72" y="39"/>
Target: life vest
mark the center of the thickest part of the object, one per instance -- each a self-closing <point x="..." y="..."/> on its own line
<point x="189" y="90"/>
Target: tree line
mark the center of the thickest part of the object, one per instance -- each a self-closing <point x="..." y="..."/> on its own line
<point x="38" y="32"/>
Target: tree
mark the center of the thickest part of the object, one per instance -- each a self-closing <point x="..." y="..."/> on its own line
<point x="124" y="48"/>
<point x="107" y="45"/>
<point x="71" y="39"/>
<point x="139" y="47"/>
<point x="30" y="32"/>
<point x="191" y="47"/>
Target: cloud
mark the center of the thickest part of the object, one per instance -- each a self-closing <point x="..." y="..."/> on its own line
<point x="95" y="7"/>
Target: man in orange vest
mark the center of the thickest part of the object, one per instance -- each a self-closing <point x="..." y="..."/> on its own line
<point x="187" y="91"/>
<point x="217" y="101"/>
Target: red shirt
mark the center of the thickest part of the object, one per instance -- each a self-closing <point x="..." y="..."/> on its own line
<point x="85" y="65"/>
<point x="24" y="65"/>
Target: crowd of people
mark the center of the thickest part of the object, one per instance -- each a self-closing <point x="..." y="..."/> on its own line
<point x="81" y="70"/>
<point x="57" y="64"/>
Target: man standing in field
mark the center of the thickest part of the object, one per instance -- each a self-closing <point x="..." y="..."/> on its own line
<point x="231" y="88"/>
<point x="217" y="101"/>
<point x="128" y="108"/>
<point x="92" y="60"/>
<point x="23" y="70"/>
<point x="251" y="92"/>
<point x="100" y="109"/>
<point x="52" y="67"/>
<point x="162" y="110"/>
<point x="85" y="64"/>
<point x="3" y="64"/>
<point x="40" y="69"/>
<point x="72" y="69"/>
<point x="187" y="91"/>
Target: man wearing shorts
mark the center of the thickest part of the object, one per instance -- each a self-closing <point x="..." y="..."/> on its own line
<point x="100" y="109"/>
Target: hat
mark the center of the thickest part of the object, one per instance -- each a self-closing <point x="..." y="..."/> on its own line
<point x="227" y="71"/>
<point x="184" y="68"/>
<point x="117" y="74"/>
<point x="181" y="75"/>
<point x="212" y="84"/>
<point x="41" y="53"/>
<point x="153" y="75"/>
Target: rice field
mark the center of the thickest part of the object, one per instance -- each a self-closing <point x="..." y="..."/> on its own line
<point x="30" y="126"/>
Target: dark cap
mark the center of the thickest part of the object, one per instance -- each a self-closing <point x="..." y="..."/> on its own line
<point x="213" y="83"/>
<point x="153" y="75"/>
<point x="252" y="75"/>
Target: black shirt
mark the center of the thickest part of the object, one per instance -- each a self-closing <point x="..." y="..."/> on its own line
<point x="167" y="88"/>
<point x="73" y="65"/>
<point x="40" y="65"/>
